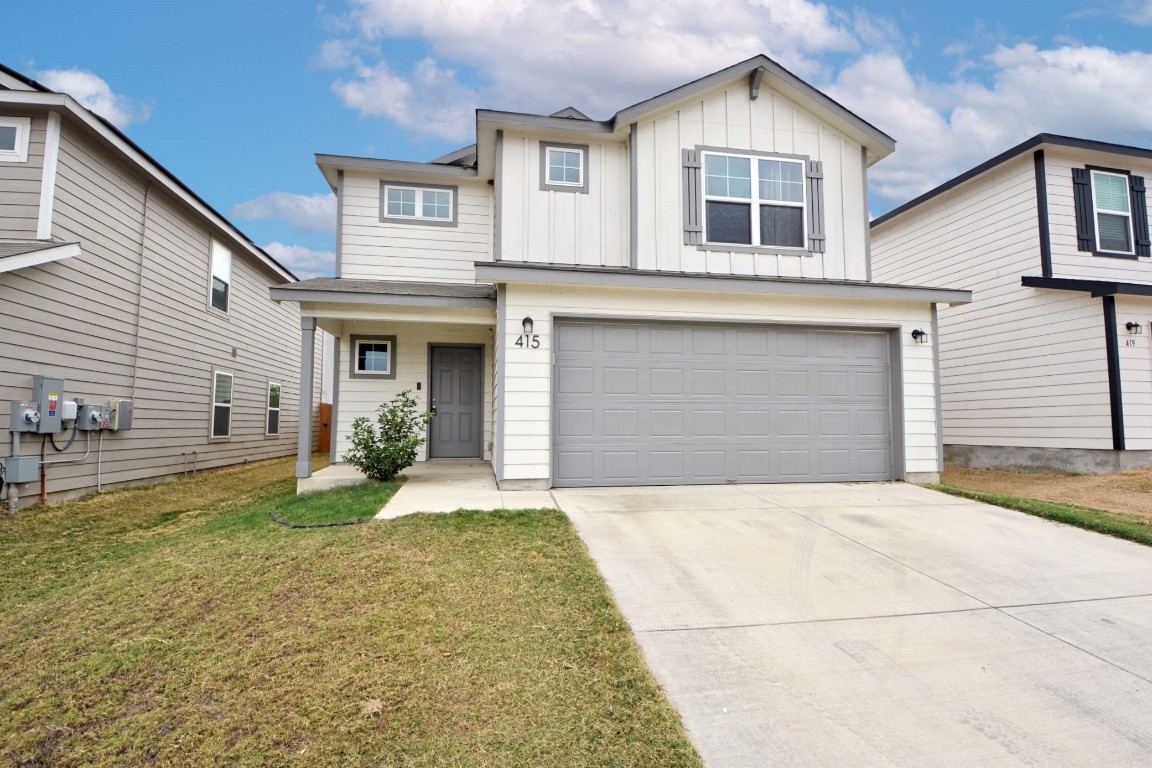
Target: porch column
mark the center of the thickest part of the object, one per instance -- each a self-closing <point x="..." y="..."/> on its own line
<point x="307" y="369"/>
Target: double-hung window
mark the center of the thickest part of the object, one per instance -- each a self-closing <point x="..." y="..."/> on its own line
<point x="754" y="201"/>
<point x="14" y="133"/>
<point x="221" y="278"/>
<point x="273" y="416"/>
<point x="221" y="404"/>
<point x="1113" y="213"/>
<point x="409" y="203"/>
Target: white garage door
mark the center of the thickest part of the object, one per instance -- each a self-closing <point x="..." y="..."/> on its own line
<point x="673" y="403"/>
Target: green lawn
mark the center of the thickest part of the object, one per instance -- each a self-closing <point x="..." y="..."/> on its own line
<point x="179" y="626"/>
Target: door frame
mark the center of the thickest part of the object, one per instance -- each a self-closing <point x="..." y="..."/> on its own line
<point x="432" y="345"/>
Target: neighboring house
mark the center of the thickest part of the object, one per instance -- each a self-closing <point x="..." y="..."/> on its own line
<point x="118" y="279"/>
<point x="1049" y="368"/>
<point x="679" y="294"/>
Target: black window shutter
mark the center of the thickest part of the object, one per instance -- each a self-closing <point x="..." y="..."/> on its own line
<point x="1140" y="216"/>
<point x="816" y="206"/>
<point x="693" y="232"/>
<point x="1082" y="193"/>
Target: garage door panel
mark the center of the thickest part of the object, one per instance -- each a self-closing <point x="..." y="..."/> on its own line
<point x="666" y="404"/>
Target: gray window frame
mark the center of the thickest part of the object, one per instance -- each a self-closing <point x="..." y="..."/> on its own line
<point x="705" y="245"/>
<point x="585" y="170"/>
<point x="353" y="357"/>
<point x="419" y="221"/>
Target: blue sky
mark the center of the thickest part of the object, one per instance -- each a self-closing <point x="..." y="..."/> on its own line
<point x="235" y="98"/>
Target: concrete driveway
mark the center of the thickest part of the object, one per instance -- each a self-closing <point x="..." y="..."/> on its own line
<point x="879" y="625"/>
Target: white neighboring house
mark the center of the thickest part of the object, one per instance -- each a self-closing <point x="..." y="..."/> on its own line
<point x="1050" y="367"/>
<point x="679" y="294"/>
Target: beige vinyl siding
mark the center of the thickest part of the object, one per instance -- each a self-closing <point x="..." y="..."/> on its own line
<point x="112" y="328"/>
<point x="728" y="118"/>
<point x="528" y="372"/>
<point x="362" y="396"/>
<point x="20" y="184"/>
<point x="560" y="227"/>
<point x="1020" y="366"/>
<point x="1136" y="370"/>
<point x="1067" y="261"/>
<point x="372" y="249"/>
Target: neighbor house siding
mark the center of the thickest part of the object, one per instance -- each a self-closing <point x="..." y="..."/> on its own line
<point x="20" y="184"/>
<point x="362" y="396"/>
<point x="728" y="118"/>
<point x="372" y="249"/>
<point x="561" y="227"/>
<point x="113" y="325"/>
<point x="1020" y="366"/>
<point x="528" y="372"/>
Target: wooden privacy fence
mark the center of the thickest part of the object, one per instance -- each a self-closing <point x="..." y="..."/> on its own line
<point x="324" y="432"/>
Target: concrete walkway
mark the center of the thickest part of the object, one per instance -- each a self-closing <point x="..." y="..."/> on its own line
<point x="446" y="485"/>
<point x="879" y="625"/>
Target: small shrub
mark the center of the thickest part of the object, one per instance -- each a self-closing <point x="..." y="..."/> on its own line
<point x="381" y="451"/>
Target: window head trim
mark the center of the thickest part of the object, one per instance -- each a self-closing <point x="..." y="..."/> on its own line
<point x="418" y="218"/>
<point x="270" y="409"/>
<point x="563" y="186"/>
<point x="218" y="404"/>
<point x="22" y="129"/>
<point x="1127" y="214"/>
<point x="219" y="271"/>
<point x="354" y="369"/>
<point x="755" y="202"/>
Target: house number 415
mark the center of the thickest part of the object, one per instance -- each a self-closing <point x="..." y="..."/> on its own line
<point x="528" y="341"/>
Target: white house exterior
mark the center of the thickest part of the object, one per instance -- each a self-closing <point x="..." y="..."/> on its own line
<point x="1050" y="367"/>
<point x="679" y="294"/>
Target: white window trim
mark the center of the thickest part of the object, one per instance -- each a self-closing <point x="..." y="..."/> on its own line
<point x="548" y="167"/>
<point x="754" y="201"/>
<point x="419" y="215"/>
<point x="356" y="372"/>
<point x="213" y="244"/>
<point x="23" y="126"/>
<point x="268" y="408"/>
<point x="1093" y="173"/>
<point x="213" y="405"/>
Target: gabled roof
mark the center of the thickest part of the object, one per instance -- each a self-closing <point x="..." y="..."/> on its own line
<point x="34" y="94"/>
<point x="1038" y="141"/>
<point x="572" y="113"/>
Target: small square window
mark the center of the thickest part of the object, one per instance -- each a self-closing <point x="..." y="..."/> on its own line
<point x="8" y="136"/>
<point x="14" y="133"/>
<point x="437" y="204"/>
<point x="373" y="357"/>
<point x="564" y="167"/>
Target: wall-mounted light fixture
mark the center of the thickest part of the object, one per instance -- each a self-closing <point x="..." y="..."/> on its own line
<point x="527" y="324"/>
<point x="920" y="336"/>
<point x="1134" y="328"/>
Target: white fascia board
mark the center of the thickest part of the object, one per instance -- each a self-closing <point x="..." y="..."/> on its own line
<point x="330" y="164"/>
<point x="64" y="102"/>
<point x="42" y="256"/>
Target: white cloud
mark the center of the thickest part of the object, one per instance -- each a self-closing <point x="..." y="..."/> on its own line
<point x="303" y="262"/>
<point x="315" y="213"/>
<point x="597" y="55"/>
<point x="1136" y="12"/>
<point x="93" y="92"/>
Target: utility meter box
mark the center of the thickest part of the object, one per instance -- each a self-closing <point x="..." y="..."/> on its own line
<point x="119" y="414"/>
<point x="21" y="469"/>
<point x="25" y="417"/>
<point x="92" y="418"/>
<point x="48" y="394"/>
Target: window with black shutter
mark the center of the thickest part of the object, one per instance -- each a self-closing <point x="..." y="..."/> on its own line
<point x="1111" y="213"/>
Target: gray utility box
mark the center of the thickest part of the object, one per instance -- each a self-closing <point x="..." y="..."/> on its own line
<point x="92" y="418"/>
<point x="25" y="417"/>
<point x="119" y="414"/>
<point x="21" y="469"/>
<point x="48" y="394"/>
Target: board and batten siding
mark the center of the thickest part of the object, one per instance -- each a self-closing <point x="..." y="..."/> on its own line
<point x="728" y="118"/>
<point x="20" y="184"/>
<point x="1135" y="370"/>
<point x="1019" y="366"/>
<point x="114" y="326"/>
<point x="362" y="396"/>
<point x="1067" y="261"/>
<point x="560" y="227"/>
<point x="376" y="250"/>
<point x="527" y="438"/>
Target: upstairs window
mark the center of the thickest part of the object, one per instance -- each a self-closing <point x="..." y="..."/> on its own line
<point x="1111" y="213"/>
<point x="417" y="204"/>
<point x="754" y="201"/>
<point x="221" y="279"/>
<point x="564" y="167"/>
<point x="14" y="133"/>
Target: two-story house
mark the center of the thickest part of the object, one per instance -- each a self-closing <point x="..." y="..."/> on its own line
<point x="119" y="283"/>
<point x="1050" y="366"/>
<point x="679" y="294"/>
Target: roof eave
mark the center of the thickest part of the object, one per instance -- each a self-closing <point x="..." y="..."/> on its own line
<point x="330" y="164"/>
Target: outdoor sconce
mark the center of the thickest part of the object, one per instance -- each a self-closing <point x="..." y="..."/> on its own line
<point x="920" y="336"/>
<point x="527" y="323"/>
<point x="1134" y="328"/>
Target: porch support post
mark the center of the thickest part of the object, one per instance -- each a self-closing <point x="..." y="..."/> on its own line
<point x="307" y="369"/>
